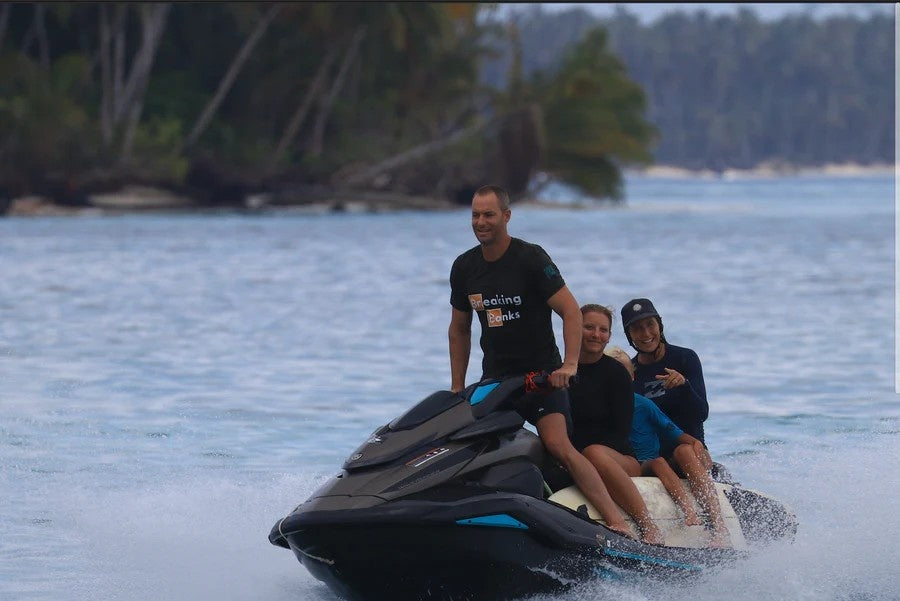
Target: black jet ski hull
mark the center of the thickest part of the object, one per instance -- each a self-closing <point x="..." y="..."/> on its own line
<point x="497" y="547"/>
<point x="452" y="500"/>
<point x="412" y="563"/>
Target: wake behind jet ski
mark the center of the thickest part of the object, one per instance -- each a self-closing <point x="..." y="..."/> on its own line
<point x="454" y="499"/>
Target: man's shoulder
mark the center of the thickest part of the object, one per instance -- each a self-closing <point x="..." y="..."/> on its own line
<point x="535" y="259"/>
<point x="523" y="246"/>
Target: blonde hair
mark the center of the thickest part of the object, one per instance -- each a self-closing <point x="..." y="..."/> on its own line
<point x="619" y="354"/>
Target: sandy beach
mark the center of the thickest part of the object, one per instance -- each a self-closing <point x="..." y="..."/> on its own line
<point x="768" y="171"/>
<point x="132" y="198"/>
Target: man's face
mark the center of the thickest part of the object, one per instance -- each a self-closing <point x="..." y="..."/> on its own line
<point x="488" y="219"/>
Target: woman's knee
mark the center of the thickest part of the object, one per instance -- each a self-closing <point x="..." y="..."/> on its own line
<point x="631" y="466"/>
<point x="657" y="465"/>
<point x="597" y="455"/>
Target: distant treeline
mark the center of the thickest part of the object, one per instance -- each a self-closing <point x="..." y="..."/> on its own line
<point x="738" y="91"/>
<point x="223" y="101"/>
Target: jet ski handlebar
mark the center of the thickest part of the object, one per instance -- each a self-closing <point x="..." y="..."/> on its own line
<point x="538" y="380"/>
<point x="494" y="394"/>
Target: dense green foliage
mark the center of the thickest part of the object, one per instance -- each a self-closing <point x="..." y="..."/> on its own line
<point x="736" y="91"/>
<point x="370" y="95"/>
<point x="591" y="93"/>
<point x="408" y="97"/>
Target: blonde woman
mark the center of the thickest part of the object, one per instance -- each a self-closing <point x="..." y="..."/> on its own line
<point x="602" y="405"/>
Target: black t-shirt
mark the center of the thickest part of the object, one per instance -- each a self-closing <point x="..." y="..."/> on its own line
<point x="510" y="296"/>
<point x="602" y="405"/>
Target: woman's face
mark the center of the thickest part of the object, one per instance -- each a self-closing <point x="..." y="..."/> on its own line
<point x="594" y="332"/>
<point x="645" y="334"/>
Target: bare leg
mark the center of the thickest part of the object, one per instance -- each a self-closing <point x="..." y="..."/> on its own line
<point x="552" y="430"/>
<point x="623" y="491"/>
<point x="628" y="463"/>
<point x="659" y="467"/>
<point x="705" y="490"/>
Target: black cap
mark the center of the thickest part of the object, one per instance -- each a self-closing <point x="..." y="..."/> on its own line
<point x="635" y="309"/>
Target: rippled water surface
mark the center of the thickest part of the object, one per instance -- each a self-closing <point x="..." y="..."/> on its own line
<point x="172" y="385"/>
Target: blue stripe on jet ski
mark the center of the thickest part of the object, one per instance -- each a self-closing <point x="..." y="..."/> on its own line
<point x="500" y="520"/>
<point x="607" y="574"/>
<point x="481" y="392"/>
<point x="656" y="560"/>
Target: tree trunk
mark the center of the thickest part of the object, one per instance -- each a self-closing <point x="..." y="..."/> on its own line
<point x="37" y="33"/>
<point x="30" y="34"/>
<point x="153" y="20"/>
<point x="118" y="57"/>
<point x="112" y="67"/>
<point x="325" y="106"/>
<point x="236" y="65"/>
<point x="299" y="116"/>
<point x="134" y="118"/>
<point x="106" y="86"/>
<point x="40" y="30"/>
<point x="521" y="143"/>
<point x="5" y="10"/>
<point x="413" y="154"/>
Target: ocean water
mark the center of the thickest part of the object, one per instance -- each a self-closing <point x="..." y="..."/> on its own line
<point x="172" y="385"/>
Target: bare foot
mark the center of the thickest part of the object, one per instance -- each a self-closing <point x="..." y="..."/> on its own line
<point x="650" y="534"/>
<point x="691" y="519"/>
<point x="721" y="538"/>
<point x="622" y="529"/>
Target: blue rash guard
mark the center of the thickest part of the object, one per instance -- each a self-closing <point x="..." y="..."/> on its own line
<point x="685" y="405"/>
<point x="648" y="426"/>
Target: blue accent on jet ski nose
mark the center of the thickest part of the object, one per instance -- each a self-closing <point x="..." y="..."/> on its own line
<point x="500" y="520"/>
<point x="655" y="560"/>
<point x="604" y="573"/>
<point x="481" y="392"/>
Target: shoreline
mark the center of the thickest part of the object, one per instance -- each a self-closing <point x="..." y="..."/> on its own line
<point x="132" y="199"/>
<point x="766" y="171"/>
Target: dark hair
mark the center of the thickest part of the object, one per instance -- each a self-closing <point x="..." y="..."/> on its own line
<point x="637" y="309"/>
<point x="501" y="194"/>
<point x="594" y="308"/>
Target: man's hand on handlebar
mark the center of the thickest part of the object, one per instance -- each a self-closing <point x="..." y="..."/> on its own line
<point x="560" y="378"/>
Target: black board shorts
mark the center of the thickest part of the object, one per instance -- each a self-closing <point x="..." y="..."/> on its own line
<point x="532" y="406"/>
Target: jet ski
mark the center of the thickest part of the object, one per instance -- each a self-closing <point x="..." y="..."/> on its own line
<point x="455" y="499"/>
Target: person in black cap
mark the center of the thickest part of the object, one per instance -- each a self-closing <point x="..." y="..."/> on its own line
<point x="649" y="428"/>
<point x="671" y="376"/>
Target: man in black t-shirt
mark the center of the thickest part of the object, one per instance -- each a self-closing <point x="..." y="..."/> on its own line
<point x="513" y="286"/>
<point x="510" y="296"/>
